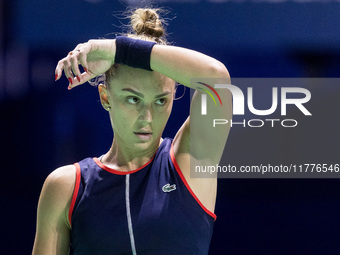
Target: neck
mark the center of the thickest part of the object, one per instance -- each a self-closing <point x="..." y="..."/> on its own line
<point x="127" y="158"/>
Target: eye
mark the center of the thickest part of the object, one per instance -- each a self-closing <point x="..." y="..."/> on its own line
<point x="133" y="100"/>
<point x="161" y="101"/>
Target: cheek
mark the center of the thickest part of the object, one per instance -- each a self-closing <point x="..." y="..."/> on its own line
<point x="122" y="118"/>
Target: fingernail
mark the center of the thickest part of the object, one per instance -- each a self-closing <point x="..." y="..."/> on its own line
<point x="78" y="78"/>
<point x="69" y="88"/>
<point x="70" y="80"/>
<point x="56" y="77"/>
<point x="85" y="69"/>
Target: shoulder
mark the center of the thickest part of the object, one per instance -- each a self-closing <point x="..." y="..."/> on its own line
<point x="62" y="177"/>
<point x="53" y="228"/>
<point x="57" y="192"/>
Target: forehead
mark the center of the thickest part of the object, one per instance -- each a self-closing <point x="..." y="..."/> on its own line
<point x="141" y="80"/>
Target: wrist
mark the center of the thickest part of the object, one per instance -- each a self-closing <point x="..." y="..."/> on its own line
<point x="133" y="52"/>
<point x="104" y="48"/>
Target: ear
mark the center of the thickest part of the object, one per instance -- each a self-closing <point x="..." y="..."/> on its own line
<point x="103" y="95"/>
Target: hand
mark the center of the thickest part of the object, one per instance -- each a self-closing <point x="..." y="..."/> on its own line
<point x="95" y="56"/>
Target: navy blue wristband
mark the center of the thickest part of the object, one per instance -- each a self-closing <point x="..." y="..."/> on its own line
<point x="133" y="52"/>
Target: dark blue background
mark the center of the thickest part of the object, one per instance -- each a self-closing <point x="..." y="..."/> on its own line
<point x="44" y="126"/>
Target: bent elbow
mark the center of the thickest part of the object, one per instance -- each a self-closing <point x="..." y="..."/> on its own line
<point x="218" y="70"/>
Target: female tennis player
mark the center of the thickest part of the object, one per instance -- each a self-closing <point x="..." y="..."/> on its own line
<point x="138" y="198"/>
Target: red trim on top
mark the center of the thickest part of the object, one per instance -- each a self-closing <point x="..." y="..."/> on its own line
<point x="114" y="171"/>
<point x="75" y="192"/>
<point x="172" y="155"/>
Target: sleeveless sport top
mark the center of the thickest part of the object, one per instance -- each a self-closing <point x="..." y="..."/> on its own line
<point x="147" y="211"/>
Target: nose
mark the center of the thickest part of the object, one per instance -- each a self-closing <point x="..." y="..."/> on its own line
<point x="146" y="114"/>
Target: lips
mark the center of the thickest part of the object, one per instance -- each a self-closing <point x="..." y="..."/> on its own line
<point x="143" y="135"/>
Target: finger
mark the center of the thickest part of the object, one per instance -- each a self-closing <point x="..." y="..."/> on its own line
<point x="84" y="50"/>
<point x="64" y="65"/>
<point x="75" y="65"/>
<point x="78" y="47"/>
<point x="58" y="70"/>
<point x="83" y="60"/>
<point x="85" y="76"/>
<point x="68" y="70"/>
<point x="67" y="65"/>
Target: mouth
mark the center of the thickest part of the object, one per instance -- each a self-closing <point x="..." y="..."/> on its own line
<point x="145" y="136"/>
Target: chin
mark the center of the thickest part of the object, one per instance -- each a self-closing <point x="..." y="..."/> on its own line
<point x="147" y="144"/>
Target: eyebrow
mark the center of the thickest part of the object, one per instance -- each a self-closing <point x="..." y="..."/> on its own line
<point x="142" y="96"/>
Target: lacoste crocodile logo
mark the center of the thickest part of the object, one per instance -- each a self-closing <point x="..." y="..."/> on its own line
<point x="168" y="187"/>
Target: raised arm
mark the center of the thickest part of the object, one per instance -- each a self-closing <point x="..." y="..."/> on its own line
<point x="53" y="230"/>
<point x="198" y="142"/>
<point x="182" y="65"/>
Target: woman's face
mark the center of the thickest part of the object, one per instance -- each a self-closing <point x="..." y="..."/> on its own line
<point x="141" y="103"/>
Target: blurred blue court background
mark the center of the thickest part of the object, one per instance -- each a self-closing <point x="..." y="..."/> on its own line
<point x="44" y="126"/>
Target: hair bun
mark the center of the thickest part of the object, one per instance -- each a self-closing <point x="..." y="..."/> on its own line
<point x="147" y="22"/>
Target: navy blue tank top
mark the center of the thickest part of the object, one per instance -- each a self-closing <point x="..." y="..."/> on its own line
<point x="150" y="210"/>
